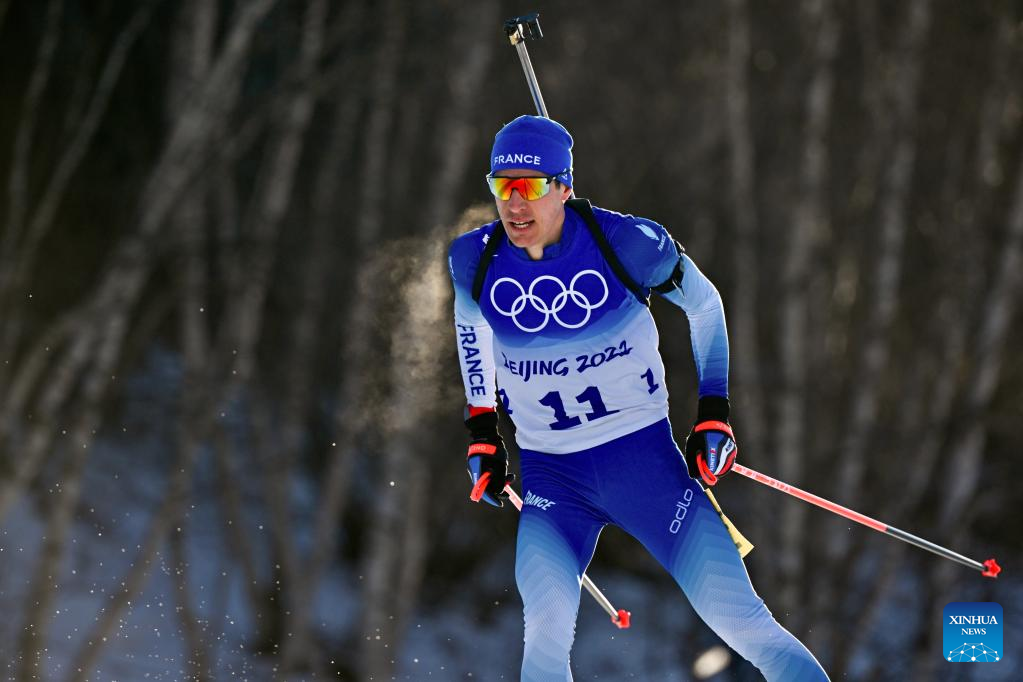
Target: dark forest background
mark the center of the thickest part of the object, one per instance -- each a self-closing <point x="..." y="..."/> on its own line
<point x="227" y="369"/>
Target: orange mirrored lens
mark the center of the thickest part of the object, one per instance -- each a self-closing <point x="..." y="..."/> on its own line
<point x="528" y="188"/>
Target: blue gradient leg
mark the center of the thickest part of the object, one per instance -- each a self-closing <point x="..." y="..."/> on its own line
<point x="708" y="568"/>
<point x="679" y="526"/>
<point x="554" y="547"/>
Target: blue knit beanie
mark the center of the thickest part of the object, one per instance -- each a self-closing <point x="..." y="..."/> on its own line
<point x="534" y="142"/>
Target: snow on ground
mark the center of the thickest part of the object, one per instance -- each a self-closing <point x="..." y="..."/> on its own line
<point x="483" y="642"/>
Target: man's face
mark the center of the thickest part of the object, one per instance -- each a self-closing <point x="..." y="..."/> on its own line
<point x="532" y="225"/>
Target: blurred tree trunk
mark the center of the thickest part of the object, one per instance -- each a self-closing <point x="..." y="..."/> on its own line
<point x="93" y="383"/>
<point x="350" y="415"/>
<point x="194" y="633"/>
<point x="926" y="408"/>
<point x="744" y="331"/>
<point x="181" y="158"/>
<point x="867" y="380"/>
<point x="240" y="537"/>
<point x="930" y="409"/>
<point x="397" y="548"/>
<point x="808" y="215"/>
<point x="249" y="280"/>
<point x="966" y="464"/>
<point x="46" y="577"/>
<point x="18" y="180"/>
<point x="192" y="54"/>
<point x="357" y="351"/>
<point x="888" y="263"/>
<point x="236" y="531"/>
<point x="299" y="650"/>
<point x="858" y="213"/>
<point x="243" y="333"/>
<point x="18" y="255"/>
<point x="129" y="264"/>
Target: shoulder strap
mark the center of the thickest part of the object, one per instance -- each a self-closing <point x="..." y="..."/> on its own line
<point x="488" y="255"/>
<point x="585" y="211"/>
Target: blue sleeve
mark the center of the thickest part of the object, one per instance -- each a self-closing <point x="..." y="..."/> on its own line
<point x="648" y="254"/>
<point x="463" y="258"/>
<point x="702" y="305"/>
<point x="473" y="335"/>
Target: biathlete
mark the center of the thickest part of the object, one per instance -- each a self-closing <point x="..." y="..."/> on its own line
<point x="551" y="320"/>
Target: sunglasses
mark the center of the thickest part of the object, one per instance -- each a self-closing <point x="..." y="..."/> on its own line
<point x="530" y="189"/>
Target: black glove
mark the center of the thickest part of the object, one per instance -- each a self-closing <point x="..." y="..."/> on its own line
<point x="710" y="447"/>
<point x="487" y="459"/>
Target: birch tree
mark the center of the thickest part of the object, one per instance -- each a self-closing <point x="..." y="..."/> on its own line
<point x="794" y="331"/>
<point x="887" y="263"/>
<point x="394" y="561"/>
<point x="744" y="327"/>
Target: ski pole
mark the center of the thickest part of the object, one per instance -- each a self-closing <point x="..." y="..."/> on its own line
<point x="989" y="568"/>
<point x="519" y="30"/>
<point x="619" y="617"/>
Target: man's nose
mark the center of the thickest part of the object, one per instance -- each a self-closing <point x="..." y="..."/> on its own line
<point x="515" y="201"/>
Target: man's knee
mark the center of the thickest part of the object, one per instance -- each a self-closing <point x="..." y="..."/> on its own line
<point x="547" y="577"/>
<point x="549" y="586"/>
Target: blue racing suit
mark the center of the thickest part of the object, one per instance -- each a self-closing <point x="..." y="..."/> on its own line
<point x="572" y="355"/>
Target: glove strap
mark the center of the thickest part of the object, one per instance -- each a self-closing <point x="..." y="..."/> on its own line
<point x="481" y="449"/>
<point x="705" y="473"/>
<point x="481" y="487"/>
<point x="714" y="426"/>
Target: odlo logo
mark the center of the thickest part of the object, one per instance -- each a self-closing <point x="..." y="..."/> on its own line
<point x="681" y="509"/>
<point x="972" y="632"/>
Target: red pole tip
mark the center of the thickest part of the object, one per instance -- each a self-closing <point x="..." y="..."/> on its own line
<point x="622" y="619"/>
<point x="993" y="569"/>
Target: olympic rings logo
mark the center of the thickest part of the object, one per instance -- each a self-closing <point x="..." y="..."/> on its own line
<point x="528" y="297"/>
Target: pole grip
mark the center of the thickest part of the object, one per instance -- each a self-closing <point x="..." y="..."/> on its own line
<point x="526" y="27"/>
